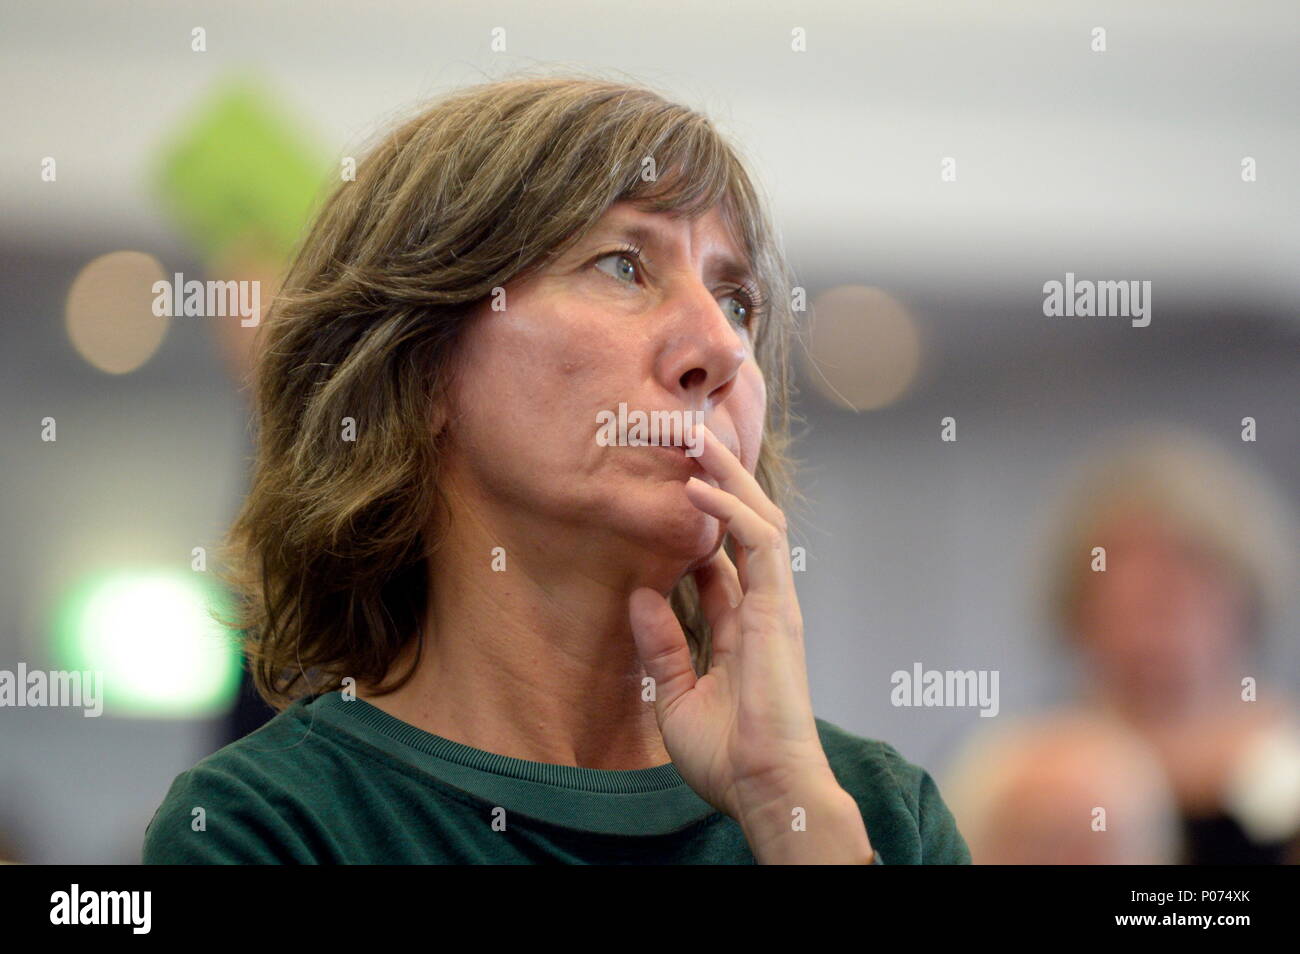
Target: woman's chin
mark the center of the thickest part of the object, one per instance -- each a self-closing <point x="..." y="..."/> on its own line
<point x="694" y="540"/>
<point x="677" y="528"/>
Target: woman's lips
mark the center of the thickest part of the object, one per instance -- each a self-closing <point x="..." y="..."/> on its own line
<point x="683" y="448"/>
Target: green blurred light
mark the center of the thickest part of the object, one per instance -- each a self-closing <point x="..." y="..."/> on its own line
<point x="152" y="636"/>
<point x="239" y="165"/>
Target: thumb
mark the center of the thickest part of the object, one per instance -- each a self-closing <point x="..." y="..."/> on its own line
<point x="662" y="646"/>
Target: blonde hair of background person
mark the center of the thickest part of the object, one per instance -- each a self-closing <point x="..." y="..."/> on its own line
<point x="369" y="561"/>
<point x="1217" y="504"/>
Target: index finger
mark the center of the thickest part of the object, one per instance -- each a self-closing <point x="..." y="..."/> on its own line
<point x="732" y="476"/>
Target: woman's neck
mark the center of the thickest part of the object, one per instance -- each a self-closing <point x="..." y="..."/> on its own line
<point x="528" y="653"/>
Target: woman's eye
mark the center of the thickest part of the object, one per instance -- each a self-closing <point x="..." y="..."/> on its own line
<point x="624" y="267"/>
<point x="736" y="308"/>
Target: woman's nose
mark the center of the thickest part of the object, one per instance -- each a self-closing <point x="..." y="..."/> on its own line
<point x="705" y="352"/>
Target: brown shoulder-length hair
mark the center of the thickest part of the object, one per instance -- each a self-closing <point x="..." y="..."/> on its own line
<point x="329" y="556"/>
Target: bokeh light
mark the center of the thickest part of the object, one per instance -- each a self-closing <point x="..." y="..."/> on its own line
<point x="151" y="635"/>
<point x="109" y="311"/>
<point x="864" y="347"/>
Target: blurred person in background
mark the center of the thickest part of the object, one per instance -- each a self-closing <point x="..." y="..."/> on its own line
<point x="1075" y="787"/>
<point x="1167" y="563"/>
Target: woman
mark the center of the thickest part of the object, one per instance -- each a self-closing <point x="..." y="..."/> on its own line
<point x="482" y="619"/>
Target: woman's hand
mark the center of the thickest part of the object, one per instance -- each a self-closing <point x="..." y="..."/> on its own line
<point x="743" y="735"/>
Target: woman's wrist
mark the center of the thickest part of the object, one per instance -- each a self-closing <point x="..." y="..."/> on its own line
<point x="819" y="823"/>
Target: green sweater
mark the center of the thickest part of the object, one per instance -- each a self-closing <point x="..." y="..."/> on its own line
<point x="333" y="780"/>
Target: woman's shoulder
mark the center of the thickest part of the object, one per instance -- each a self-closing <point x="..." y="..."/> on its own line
<point x="239" y="800"/>
<point x="288" y="747"/>
<point x="906" y="817"/>
<point x="872" y="761"/>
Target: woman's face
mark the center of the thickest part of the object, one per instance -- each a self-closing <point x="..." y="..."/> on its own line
<point x="663" y="329"/>
<point x="1165" y="617"/>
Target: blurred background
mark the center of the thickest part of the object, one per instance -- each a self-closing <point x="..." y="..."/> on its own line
<point x="931" y="167"/>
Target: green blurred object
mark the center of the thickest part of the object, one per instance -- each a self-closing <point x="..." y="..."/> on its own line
<point x="239" y="173"/>
<point x="150" y="635"/>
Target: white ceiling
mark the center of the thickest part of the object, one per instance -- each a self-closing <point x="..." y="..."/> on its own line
<point x="1064" y="155"/>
